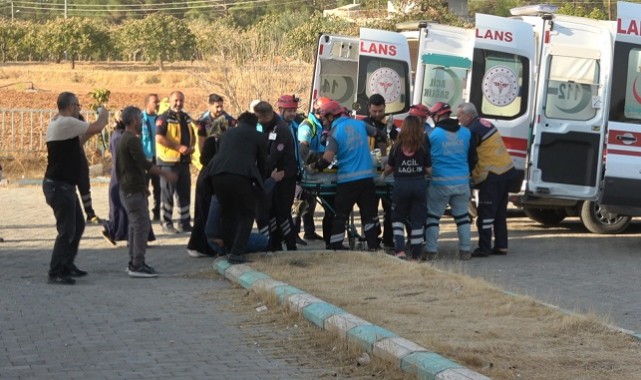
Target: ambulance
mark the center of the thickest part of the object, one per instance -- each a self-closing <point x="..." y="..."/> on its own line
<point x="351" y="69"/>
<point x="564" y="93"/>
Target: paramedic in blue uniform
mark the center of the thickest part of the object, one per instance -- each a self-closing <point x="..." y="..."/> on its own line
<point x="312" y="138"/>
<point x="281" y="155"/>
<point x="348" y="142"/>
<point x="492" y="176"/>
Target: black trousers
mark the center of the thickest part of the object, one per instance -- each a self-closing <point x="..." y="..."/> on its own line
<point x="363" y="193"/>
<point x="238" y="204"/>
<point x="180" y="189"/>
<point x="283" y="198"/>
<point x="492" y="214"/>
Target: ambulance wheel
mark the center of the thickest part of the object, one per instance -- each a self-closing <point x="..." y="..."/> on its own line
<point x="599" y="221"/>
<point x="546" y="216"/>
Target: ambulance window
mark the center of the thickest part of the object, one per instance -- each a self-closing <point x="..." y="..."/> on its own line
<point x="500" y="83"/>
<point x="338" y="81"/>
<point x="572" y="83"/>
<point x="625" y="104"/>
<point x="443" y="84"/>
<point x="387" y="77"/>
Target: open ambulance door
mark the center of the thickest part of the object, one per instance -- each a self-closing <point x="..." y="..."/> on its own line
<point x="622" y="179"/>
<point x="443" y="65"/>
<point x="336" y="69"/>
<point x="568" y="135"/>
<point x="383" y="68"/>
<point x="503" y="77"/>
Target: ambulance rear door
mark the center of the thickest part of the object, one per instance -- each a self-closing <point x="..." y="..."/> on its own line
<point x="622" y="179"/>
<point x="443" y="65"/>
<point x="566" y="155"/>
<point x="503" y="77"/>
<point x="335" y="69"/>
<point x="383" y="68"/>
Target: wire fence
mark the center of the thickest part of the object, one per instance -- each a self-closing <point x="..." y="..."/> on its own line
<point x="23" y="131"/>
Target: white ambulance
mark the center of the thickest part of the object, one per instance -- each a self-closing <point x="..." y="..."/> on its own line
<point x="351" y="69"/>
<point x="562" y="91"/>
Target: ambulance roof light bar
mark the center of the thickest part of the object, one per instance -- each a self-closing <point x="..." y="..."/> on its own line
<point x="534" y="10"/>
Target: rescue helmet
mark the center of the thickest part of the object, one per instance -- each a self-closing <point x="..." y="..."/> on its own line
<point x="288" y="102"/>
<point x="320" y="101"/>
<point x="419" y="110"/>
<point x="332" y="108"/>
<point x="440" y="108"/>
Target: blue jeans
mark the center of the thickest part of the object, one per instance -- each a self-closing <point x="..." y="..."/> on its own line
<point x="255" y="243"/>
<point x="438" y="197"/>
<point x="70" y="223"/>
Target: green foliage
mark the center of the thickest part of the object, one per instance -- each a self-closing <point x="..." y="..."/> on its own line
<point x="302" y="40"/>
<point x="583" y="10"/>
<point x="99" y="97"/>
<point x="74" y="38"/>
<point x="158" y="38"/>
<point x="494" y="7"/>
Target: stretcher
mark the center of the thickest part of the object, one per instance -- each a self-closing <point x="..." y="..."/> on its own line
<point x="323" y="187"/>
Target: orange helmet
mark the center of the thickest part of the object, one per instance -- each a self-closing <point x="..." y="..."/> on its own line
<point x="320" y="101"/>
<point x="288" y="102"/>
<point x="332" y="108"/>
<point x="419" y="110"/>
<point x="440" y="108"/>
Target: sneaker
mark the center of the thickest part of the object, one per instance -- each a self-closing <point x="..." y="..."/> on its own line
<point x="498" y="251"/>
<point x="300" y="241"/>
<point x="478" y="253"/>
<point x="185" y="228"/>
<point x="105" y="234"/>
<point x="143" y="271"/>
<point x="236" y="259"/>
<point x="93" y="219"/>
<point x="74" y="271"/>
<point x="312" y="236"/>
<point x="168" y="228"/>
<point x="464" y="255"/>
<point x="61" y="280"/>
<point x="195" y="253"/>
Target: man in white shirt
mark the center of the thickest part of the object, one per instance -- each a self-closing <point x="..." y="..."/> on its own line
<point x="65" y="136"/>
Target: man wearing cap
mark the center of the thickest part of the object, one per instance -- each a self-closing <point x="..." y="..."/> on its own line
<point x="348" y="142"/>
<point x="491" y="176"/>
<point x="281" y="150"/>
<point x="453" y="156"/>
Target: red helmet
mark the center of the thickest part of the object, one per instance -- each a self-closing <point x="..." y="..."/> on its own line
<point x="332" y="108"/>
<point x="440" y="108"/>
<point x="288" y="102"/>
<point x="320" y="101"/>
<point x="419" y="110"/>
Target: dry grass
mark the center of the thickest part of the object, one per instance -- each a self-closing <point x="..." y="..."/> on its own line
<point x="462" y="318"/>
<point x="129" y="83"/>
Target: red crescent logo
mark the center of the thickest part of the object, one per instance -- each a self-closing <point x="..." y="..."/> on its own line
<point x="637" y="97"/>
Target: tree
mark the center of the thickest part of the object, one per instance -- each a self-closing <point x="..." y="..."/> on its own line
<point x="165" y="38"/>
<point x="74" y="38"/>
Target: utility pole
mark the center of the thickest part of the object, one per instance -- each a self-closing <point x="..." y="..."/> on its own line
<point x="12" y="11"/>
<point x="65" y="9"/>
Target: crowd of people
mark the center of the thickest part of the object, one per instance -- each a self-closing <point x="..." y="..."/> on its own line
<point x="250" y="172"/>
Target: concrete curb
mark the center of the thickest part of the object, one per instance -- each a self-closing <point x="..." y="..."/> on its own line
<point x="406" y="355"/>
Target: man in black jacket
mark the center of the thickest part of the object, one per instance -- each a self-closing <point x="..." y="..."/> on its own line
<point x="238" y="166"/>
<point x="281" y="150"/>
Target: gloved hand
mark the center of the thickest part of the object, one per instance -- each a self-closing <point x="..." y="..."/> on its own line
<point x="311" y="169"/>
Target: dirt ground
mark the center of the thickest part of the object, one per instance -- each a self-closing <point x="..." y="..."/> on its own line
<point x="463" y="318"/>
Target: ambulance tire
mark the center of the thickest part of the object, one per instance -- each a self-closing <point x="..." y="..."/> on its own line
<point x="597" y="220"/>
<point x="545" y="216"/>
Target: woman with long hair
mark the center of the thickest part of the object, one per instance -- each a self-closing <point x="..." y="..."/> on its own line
<point x="409" y="160"/>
